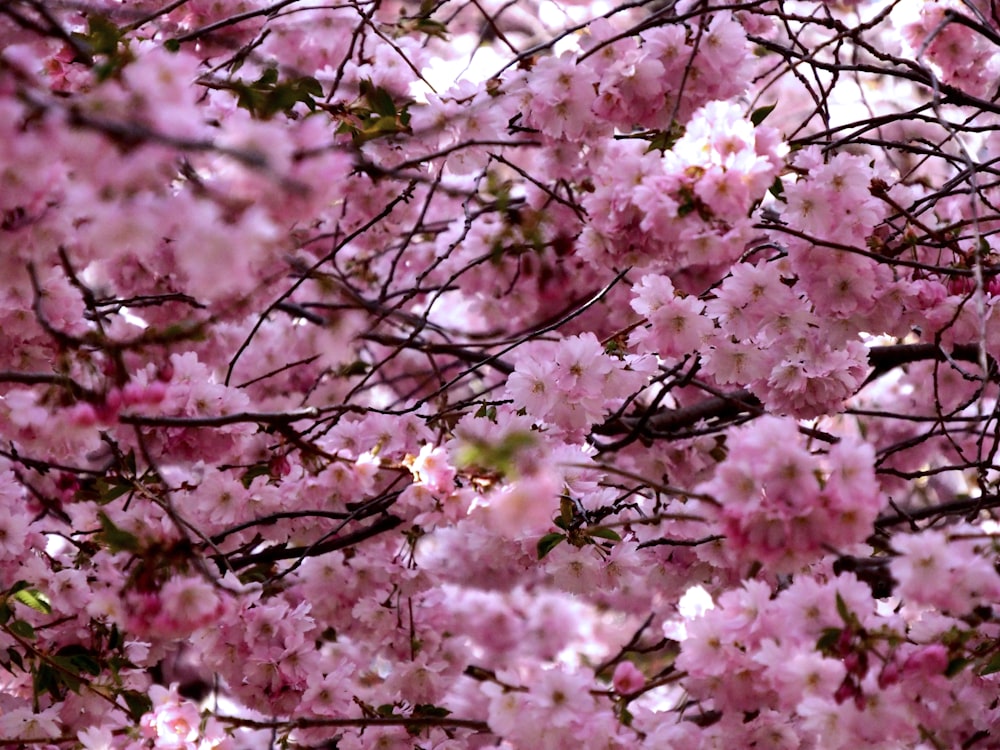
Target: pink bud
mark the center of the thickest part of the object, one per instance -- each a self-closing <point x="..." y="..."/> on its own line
<point x="627" y="678"/>
<point x="165" y="372"/>
<point x="845" y="691"/>
<point x="108" y="411"/>
<point x="852" y="662"/>
<point x="961" y="284"/>
<point x="113" y="400"/>
<point x="132" y="393"/>
<point x="67" y="481"/>
<point x="844" y="641"/>
<point x="155" y="392"/>
<point x="889" y="675"/>
<point x="279" y="466"/>
<point x="83" y="414"/>
<point x="930" y="660"/>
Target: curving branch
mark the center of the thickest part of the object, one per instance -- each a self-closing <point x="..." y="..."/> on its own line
<point x="726" y="408"/>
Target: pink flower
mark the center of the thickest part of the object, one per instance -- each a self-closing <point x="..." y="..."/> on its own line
<point x="582" y="365"/>
<point x="23" y="723"/>
<point x="627" y="678"/>
<point x="432" y="469"/>
<point x="173" y="723"/>
<point x="96" y="738"/>
<point x="533" y="386"/>
<point x="326" y="696"/>
<point x="524" y="506"/>
<point x="14" y="535"/>
<point x="724" y="45"/>
<point x="561" y="696"/>
<point x="678" y="324"/>
<point x="942" y="569"/>
<point x="561" y="95"/>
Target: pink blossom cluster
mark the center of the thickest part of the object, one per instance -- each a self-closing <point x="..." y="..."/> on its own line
<point x="754" y="331"/>
<point x="690" y="206"/>
<point x="174" y="610"/>
<point x="952" y="571"/>
<point x="824" y="667"/>
<point x="572" y="383"/>
<point x="649" y="80"/>
<point x="548" y="713"/>
<point x="785" y="507"/>
<point x="677" y="322"/>
<point x="174" y="724"/>
<point x="962" y="56"/>
<point x="834" y="203"/>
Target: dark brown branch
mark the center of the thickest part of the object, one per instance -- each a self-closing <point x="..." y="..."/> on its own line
<point x="222" y="420"/>
<point x="382" y="721"/>
<point x="729" y="406"/>
<point x="276" y="554"/>
<point x="466" y="355"/>
<point x="953" y="508"/>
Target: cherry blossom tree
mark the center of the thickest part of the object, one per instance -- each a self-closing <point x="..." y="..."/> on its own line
<point x="525" y="374"/>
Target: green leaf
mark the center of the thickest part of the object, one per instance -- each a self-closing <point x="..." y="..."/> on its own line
<point x="22" y="629"/>
<point x="828" y="640"/>
<point x="487" y="412"/>
<point x="549" y="542"/>
<point x="117" y="540"/>
<point x="759" y="115"/>
<point x="311" y="86"/>
<point x="602" y="533"/>
<point x="433" y="28"/>
<point x="77" y="658"/>
<point x="777" y="188"/>
<point x="955" y="666"/>
<point x="255" y="574"/>
<point x="108" y="491"/>
<point x="138" y="704"/>
<point x="566" y="508"/>
<point x="430" y="710"/>
<point x="991" y="667"/>
<point x="46" y="680"/>
<point x="15" y="657"/>
<point x="268" y="95"/>
<point x="34" y="599"/>
<point x="350" y="369"/>
<point x="171" y="45"/>
<point x="664" y="140"/>
<point x="843" y="611"/>
<point x="500" y="456"/>
<point x="282" y="99"/>
<point x="379" y="99"/>
<point x="257" y="470"/>
<point x="102" y="36"/>
<point x="384" y="125"/>
<point x="267" y="79"/>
